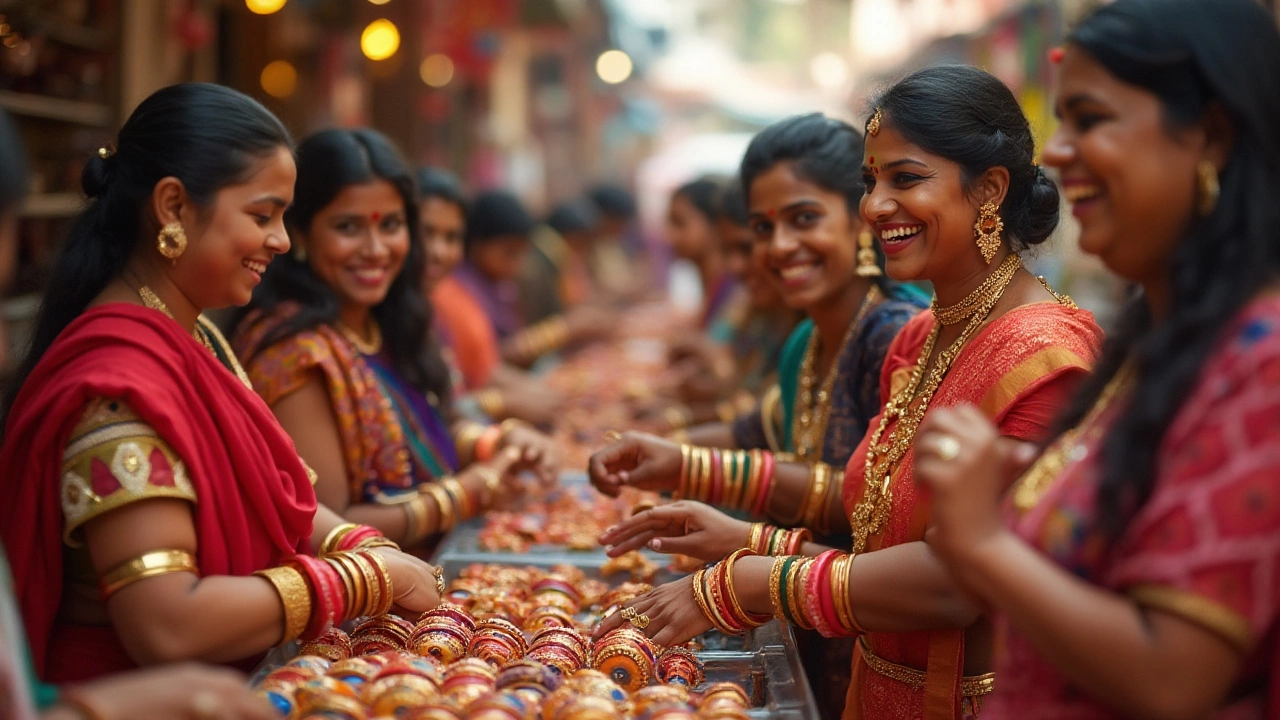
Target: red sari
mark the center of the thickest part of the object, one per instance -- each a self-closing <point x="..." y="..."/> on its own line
<point x="256" y="503"/>
<point x="1204" y="547"/>
<point x="1019" y="370"/>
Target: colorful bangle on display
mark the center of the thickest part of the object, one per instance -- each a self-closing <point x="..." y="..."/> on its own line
<point x="295" y="597"/>
<point x="147" y="565"/>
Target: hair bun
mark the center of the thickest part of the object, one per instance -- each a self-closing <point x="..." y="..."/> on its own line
<point x="98" y="173"/>
<point x="1042" y="208"/>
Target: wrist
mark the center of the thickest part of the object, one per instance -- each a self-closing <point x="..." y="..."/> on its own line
<point x="977" y="564"/>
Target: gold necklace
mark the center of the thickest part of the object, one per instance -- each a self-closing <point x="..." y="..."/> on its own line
<point x="909" y="406"/>
<point x="1070" y="447"/>
<point x="373" y="346"/>
<point x="963" y="310"/>
<point x="153" y="301"/>
<point x="809" y="426"/>
<point x="204" y="331"/>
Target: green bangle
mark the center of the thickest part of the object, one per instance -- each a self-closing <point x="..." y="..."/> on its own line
<point x="782" y="590"/>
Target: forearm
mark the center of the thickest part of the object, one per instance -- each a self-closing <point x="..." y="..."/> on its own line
<point x="217" y="619"/>
<point x="716" y="435"/>
<point x="1102" y="642"/>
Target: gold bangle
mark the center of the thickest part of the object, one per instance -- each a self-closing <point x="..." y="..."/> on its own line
<point x="795" y="579"/>
<point x="753" y="539"/>
<point x="739" y="478"/>
<point x="460" y="497"/>
<point x="378" y="577"/>
<point x="147" y="565"/>
<point x="295" y="597"/>
<point x="682" y="487"/>
<point x="334" y="536"/>
<point x="444" y="505"/>
<point x="350" y="583"/>
<point x="678" y="417"/>
<point x="775" y="587"/>
<point x="465" y="440"/>
<point x="708" y="466"/>
<point x="817" y="493"/>
<point x="700" y="596"/>
<point x="490" y="402"/>
<point x="420" y="521"/>
<point x="753" y="480"/>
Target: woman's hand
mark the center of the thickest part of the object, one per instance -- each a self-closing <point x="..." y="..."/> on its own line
<point x="497" y="476"/>
<point x="181" y="692"/>
<point x="674" y="615"/>
<point x="532" y="403"/>
<point x="537" y="452"/>
<point x="637" y="460"/>
<point x="963" y="460"/>
<point x="683" y="527"/>
<point x="412" y="579"/>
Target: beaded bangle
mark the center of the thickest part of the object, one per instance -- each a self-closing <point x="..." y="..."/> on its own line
<point x="295" y="597"/>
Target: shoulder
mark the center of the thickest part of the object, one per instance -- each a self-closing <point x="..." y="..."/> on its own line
<point x="1042" y="332"/>
<point x="798" y="340"/>
<point x="1246" y="361"/>
<point x="886" y="320"/>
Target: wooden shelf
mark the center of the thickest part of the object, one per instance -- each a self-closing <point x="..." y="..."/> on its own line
<point x="72" y="111"/>
<point x="52" y="205"/>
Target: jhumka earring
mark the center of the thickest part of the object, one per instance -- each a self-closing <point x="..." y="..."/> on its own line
<point x="988" y="227"/>
<point x="172" y="241"/>
<point x="867" y="265"/>
<point x="873" y="125"/>
<point x="1209" y="189"/>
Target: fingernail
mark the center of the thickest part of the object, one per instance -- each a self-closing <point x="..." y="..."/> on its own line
<point x="655" y="544"/>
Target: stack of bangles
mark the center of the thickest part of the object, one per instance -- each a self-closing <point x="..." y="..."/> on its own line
<point x="736" y="479"/>
<point x="769" y="540"/>
<point x="714" y="592"/>
<point x="813" y="593"/>
<point x="346" y="582"/>
<point x="479" y="443"/>
<point x="454" y="504"/>
<point x="537" y="340"/>
<point x="823" y="483"/>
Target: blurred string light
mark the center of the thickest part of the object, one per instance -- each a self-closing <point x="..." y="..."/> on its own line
<point x="380" y="40"/>
<point x="829" y="70"/>
<point x="264" y="7"/>
<point x="279" y="79"/>
<point x="436" y="70"/>
<point x="614" y="66"/>
<point x="379" y="2"/>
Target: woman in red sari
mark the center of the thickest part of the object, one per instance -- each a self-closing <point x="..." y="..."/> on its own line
<point x="1138" y="574"/>
<point x="153" y="508"/>
<point x="952" y="195"/>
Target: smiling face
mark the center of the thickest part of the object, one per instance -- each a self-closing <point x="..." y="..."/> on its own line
<point x="1130" y="178"/>
<point x="741" y="259"/>
<point x="692" y="234"/>
<point x="357" y="244"/>
<point x="442" y="229"/>
<point x="917" y="207"/>
<point x="807" y="236"/>
<point x="230" y="242"/>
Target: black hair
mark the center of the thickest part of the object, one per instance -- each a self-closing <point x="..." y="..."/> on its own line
<point x="703" y="194"/>
<point x="13" y="167"/>
<point x="824" y="151"/>
<point x="436" y="182"/>
<point x="574" y="216"/>
<point x="613" y="201"/>
<point x="496" y="214"/>
<point x="208" y="136"/>
<point x="1193" y="56"/>
<point x="969" y="117"/>
<point x="328" y="162"/>
<point x="733" y="203"/>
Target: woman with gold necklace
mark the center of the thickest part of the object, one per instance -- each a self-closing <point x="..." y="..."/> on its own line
<point x="153" y="508"/>
<point x="952" y="194"/>
<point x="337" y="341"/>
<point x="1132" y="569"/>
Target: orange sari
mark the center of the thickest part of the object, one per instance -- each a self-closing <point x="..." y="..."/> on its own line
<point x="1019" y="370"/>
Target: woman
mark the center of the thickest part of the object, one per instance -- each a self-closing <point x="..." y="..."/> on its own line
<point x="153" y="509"/>
<point x="511" y="392"/>
<point x="691" y="230"/>
<point x="479" y="304"/>
<point x="337" y="342"/>
<point x="1137" y="573"/>
<point x="952" y="195"/>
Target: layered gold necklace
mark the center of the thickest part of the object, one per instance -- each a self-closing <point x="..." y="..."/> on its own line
<point x="909" y="405"/>
<point x="372" y="346"/>
<point x="1071" y="447"/>
<point x="204" y="332"/>
<point x="809" y="424"/>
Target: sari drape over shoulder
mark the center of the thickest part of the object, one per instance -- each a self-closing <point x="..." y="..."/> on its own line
<point x="392" y="438"/>
<point x="256" y="503"/>
<point x="1206" y="545"/>
<point x="1019" y="370"/>
<point x="467" y="331"/>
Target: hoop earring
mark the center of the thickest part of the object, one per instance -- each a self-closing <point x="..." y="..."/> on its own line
<point x="988" y="227"/>
<point x="867" y="265"/>
<point x="1209" y="188"/>
<point x="172" y="241"/>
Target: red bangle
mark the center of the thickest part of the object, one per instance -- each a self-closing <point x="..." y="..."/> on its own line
<point x="361" y="533"/>
<point x="487" y="444"/>
<point x="766" y="482"/>
<point x="329" y="601"/>
<point x="819" y="590"/>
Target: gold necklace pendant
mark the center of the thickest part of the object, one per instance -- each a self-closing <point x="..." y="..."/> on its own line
<point x="372" y="346"/>
<point x="973" y="302"/>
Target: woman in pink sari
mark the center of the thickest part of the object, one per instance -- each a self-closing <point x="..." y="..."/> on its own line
<point x="1138" y="570"/>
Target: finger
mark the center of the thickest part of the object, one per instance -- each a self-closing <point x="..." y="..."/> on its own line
<point x="608" y="624"/>
<point x="690" y="544"/>
<point x="634" y="542"/>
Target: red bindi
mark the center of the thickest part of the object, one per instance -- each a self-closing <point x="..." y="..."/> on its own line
<point x="376" y="217"/>
<point x="772" y="213"/>
<point x="1056" y="55"/>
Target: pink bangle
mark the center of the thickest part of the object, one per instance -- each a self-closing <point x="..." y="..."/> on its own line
<point x="818" y="603"/>
<point x="766" y="482"/>
<point x="329" y="602"/>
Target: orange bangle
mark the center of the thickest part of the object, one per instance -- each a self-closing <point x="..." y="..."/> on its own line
<point x="487" y="444"/>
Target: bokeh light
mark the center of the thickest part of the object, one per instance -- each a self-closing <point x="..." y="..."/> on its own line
<point x="614" y="66"/>
<point x="279" y="79"/>
<point x="436" y="70"/>
<point x="264" y="7"/>
<point x="380" y="40"/>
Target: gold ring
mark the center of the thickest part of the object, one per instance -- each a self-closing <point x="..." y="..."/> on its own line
<point x="206" y="706"/>
<point x="639" y="621"/>
<point x="440" y="581"/>
<point x="612" y="436"/>
<point x="947" y="448"/>
<point x="628" y="613"/>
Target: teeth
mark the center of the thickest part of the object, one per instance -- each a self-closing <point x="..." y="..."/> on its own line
<point x="369" y="274"/>
<point x="900" y="232"/>
<point x="794" y="271"/>
<point x="1076" y="193"/>
<point x="255" y="266"/>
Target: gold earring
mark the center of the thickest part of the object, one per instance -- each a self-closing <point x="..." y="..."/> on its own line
<point x="172" y="241"/>
<point x="1207" y="179"/>
<point x="300" y="253"/>
<point x="988" y="227"/>
<point x="867" y="265"/>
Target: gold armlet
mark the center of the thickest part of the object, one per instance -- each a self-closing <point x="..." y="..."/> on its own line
<point x="295" y="596"/>
<point x="152" y="564"/>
